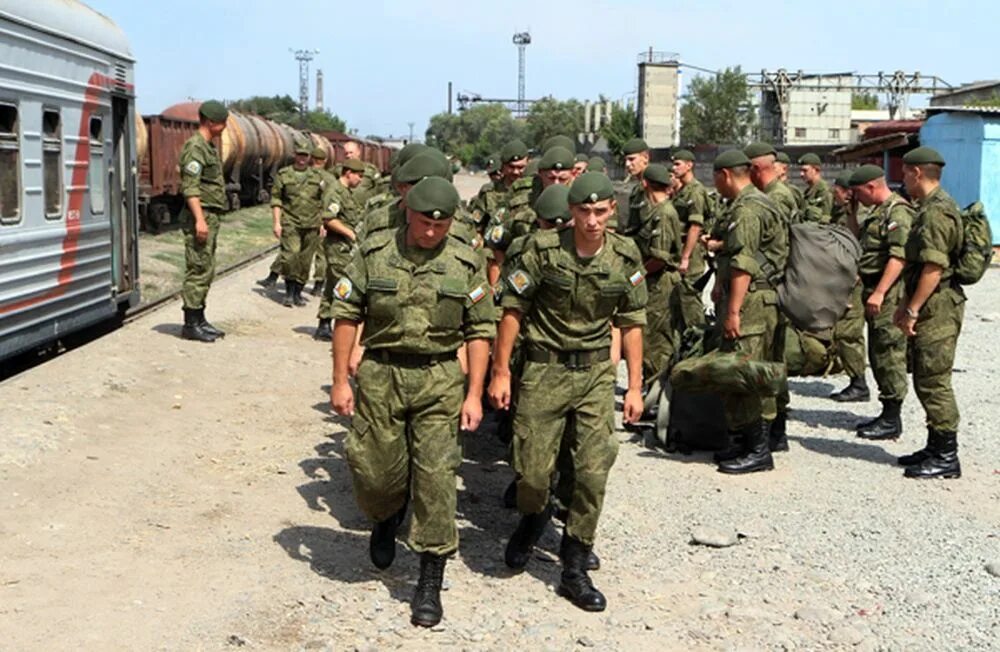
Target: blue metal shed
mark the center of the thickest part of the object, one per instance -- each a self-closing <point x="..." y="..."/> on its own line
<point x="969" y="140"/>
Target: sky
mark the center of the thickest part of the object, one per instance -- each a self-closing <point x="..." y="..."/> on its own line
<point x="386" y="64"/>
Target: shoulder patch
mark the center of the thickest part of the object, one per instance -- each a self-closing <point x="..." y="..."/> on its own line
<point x="636" y="278"/>
<point x="477" y="295"/>
<point x="495" y="234"/>
<point x="194" y="167"/>
<point x="334" y="208"/>
<point x="343" y="289"/>
<point x="519" y="280"/>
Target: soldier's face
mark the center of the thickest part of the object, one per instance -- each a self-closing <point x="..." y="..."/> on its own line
<point x="353" y="178"/>
<point x="425" y="232"/>
<point x="301" y="161"/>
<point x="556" y="177"/>
<point x="579" y="168"/>
<point x="681" y="168"/>
<point x="911" y="179"/>
<point x="723" y="180"/>
<point x="216" y="128"/>
<point x="842" y="196"/>
<point x="351" y="150"/>
<point x="319" y="163"/>
<point x="636" y="163"/>
<point x="514" y="170"/>
<point x="591" y="220"/>
<point x="762" y="171"/>
<point x="809" y="173"/>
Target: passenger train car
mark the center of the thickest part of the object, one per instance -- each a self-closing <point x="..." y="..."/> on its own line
<point x="68" y="218"/>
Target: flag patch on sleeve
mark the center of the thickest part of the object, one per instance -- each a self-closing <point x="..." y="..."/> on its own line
<point x="477" y="295"/>
<point x="636" y="278"/>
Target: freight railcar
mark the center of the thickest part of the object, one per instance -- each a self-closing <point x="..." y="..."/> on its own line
<point x="68" y="216"/>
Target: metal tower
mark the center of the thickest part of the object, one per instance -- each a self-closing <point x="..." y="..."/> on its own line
<point x="319" y="89"/>
<point x="303" y="57"/>
<point x="521" y="40"/>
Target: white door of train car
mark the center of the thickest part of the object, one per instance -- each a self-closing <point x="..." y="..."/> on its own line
<point x="68" y="219"/>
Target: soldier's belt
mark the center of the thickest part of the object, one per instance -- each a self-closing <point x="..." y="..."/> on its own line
<point x="571" y="359"/>
<point x="401" y="359"/>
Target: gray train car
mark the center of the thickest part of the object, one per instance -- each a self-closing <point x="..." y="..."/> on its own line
<point x="68" y="217"/>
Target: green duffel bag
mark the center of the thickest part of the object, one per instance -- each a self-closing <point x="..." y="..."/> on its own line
<point x="810" y="354"/>
<point x="728" y="373"/>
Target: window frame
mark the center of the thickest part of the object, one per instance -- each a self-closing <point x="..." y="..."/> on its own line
<point x="53" y="144"/>
<point x="96" y="150"/>
<point x="801" y="132"/>
<point x="13" y="141"/>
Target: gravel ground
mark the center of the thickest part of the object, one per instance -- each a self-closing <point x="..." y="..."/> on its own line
<point x="160" y="494"/>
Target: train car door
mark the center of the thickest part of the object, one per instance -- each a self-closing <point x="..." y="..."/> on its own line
<point x="122" y="185"/>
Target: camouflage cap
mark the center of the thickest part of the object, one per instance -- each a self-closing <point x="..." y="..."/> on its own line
<point x="515" y="150"/>
<point x="559" y="141"/>
<point x="923" y="156"/>
<point x="657" y="173"/>
<point x="556" y="158"/>
<point x="634" y="146"/>
<point x="683" y="155"/>
<point x="354" y="165"/>
<point x="421" y="166"/>
<point x="844" y="179"/>
<point x="755" y="150"/>
<point x="303" y="148"/>
<point x="596" y="164"/>
<point x="783" y="157"/>
<point x="734" y="158"/>
<point x="866" y="173"/>
<point x="553" y="204"/>
<point x="810" y="159"/>
<point x="213" y="110"/>
<point x="433" y="197"/>
<point x="591" y="187"/>
<point x="319" y="153"/>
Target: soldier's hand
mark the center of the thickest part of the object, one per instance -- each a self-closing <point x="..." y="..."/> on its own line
<point x="277" y="231"/>
<point x="904" y="322"/>
<point x="472" y="413"/>
<point x="632" y="406"/>
<point x="731" y="327"/>
<point x="342" y="399"/>
<point x="683" y="267"/>
<point x="355" y="361"/>
<point x="499" y="391"/>
<point x="873" y="306"/>
<point x="201" y="230"/>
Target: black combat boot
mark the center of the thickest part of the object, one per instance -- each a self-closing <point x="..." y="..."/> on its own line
<point x="209" y="328"/>
<point x="777" y="439"/>
<point x="593" y="561"/>
<point x="758" y="452"/>
<point x="297" y="297"/>
<point x="510" y="495"/>
<point x="192" y="329"/>
<point x="323" y="331"/>
<point x="425" y="609"/>
<point x="523" y="541"/>
<point x="270" y="281"/>
<point x="855" y="392"/>
<point x="575" y="584"/>
<point x="289" y="300"/>
<point x="887" y="425"/>
<point x="737" y="446"/>
<point x="382" y="544"/>
<point x="317" y="288"/>
<point x="942" y="459"/>
<point x="917" y="457"/>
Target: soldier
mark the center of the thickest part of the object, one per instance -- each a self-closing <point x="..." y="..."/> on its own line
<point x="340" y="225"/>
<point x="568" y="287"/>
<point x="764" y="175"/>
<point x="597" y="164"/>
<point x="931" y="313"/>
<point x="580" y="165"/>
<point x="518" y="189"/>
<point x="204" y="191"/>
<point x="782" y="162"/>
<point x="849" y="332"/>
<point x="632" y="210"/>
<point x="883" y="237"/>
<point x="490" y="194"/>
<point x="419" y="296"/>
<point x="753" y="249"/>
<point x="692" y="204"/>
<point x="319" y="161"/>
<point x="817" y="201"/>
<point x="296" y="206"/>
<point x="372" y="178"/>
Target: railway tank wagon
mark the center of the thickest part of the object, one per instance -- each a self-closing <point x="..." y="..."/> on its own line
<point x="68" y="254"/>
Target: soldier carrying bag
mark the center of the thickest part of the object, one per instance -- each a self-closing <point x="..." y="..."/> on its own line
<point x="977" y="245"/>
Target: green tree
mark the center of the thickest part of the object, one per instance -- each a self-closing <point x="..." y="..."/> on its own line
<point x="622" y="126"/>
<point x="551" y="117"/>
<point x="864" y="102"/>
<point x="324" y="121"/>
<point x="474" y="134"/>
<point x="718" y="109"/>
<point x="283" y="109"/>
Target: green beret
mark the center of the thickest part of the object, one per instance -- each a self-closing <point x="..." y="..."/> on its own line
<point x="532" y="168"/>
<point x="319" y="153"/>
<point x="553" y="204"/>
<point x="683" y="155"/>
<point x="734" y="158"/>
<point x="582" y="158"/>
<point x="810" y="159"/>
<point x="303" y="148"/>
<point x="354" y="165"/>
<point x="591" y="187"/>
<point x="634" y="146"/>
<point x="844" y="179"/>
<point x="434" y="197"/>
<point x="409" y="151"/>
<point x="866" y="173"/>
<point x="421" y="166"/>
<point x="556" y="158"/>
<point x="922" y="156"/>
<point x="596" y="164"/>
<point x="513" y="151"/>
<point x="657" y="174"/>
<point x="783" y="157"/>
<point x="753" y="150"/>
<point x="493" y="163"/>
<point x="213" y="110"/>
<point x="559" y="141"/>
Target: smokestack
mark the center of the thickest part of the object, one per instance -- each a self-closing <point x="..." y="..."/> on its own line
<point x="449" y="98"/>
<point x="319" y="90"/>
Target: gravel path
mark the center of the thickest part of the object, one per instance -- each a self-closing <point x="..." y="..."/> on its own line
<point x="160" y="494"/>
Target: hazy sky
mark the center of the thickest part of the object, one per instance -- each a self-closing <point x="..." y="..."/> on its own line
<point x="388" y="63"/>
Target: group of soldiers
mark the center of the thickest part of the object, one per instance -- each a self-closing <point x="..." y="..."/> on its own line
<point x="529" y="296"/>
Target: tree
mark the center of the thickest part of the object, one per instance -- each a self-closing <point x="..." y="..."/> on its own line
<point x="474" y="134"/>
<point x="283" y="109"/>
<point x="621" y="127"/>
<point x="718" y="109"/>
<point x="864" y="102"/>
<point x="992" y="100"/>
<point x="551" y="117"/>
<point x="324" y="121"/>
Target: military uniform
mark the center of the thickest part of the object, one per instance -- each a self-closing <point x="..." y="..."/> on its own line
<point x="788" y="211"/>
<point x="849" y="331"/>
<point x="201" y="176"/>
<point x="693" y="208"/>
<point x="371" y="182"/>
<point x="300" y="195"/>
<point x="337" y="247"/>
<point x="319" y="259"/>
<point x="817" y="203"/>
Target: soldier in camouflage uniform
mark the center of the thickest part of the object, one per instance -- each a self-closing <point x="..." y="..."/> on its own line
<point x="341" y="217"/>
<point x="932" y="311"/>
<point x="849" y="332"/>
<point x="569" y="286"/>
<point x="782" y="162"/>
<point x="419" y="295"/>
<point x="517" y="190"/>
<point x="204" y="190"/>
<point x="817" y="201"/>
<point x="632" y="205"/>
<point x="883" y="236"/>
<point x="753" y="250"/>
<point x="487" y="199"/>
<point x="371" y="181"/>
<point x="319" y="162"/>
<point x="693" y="206"/>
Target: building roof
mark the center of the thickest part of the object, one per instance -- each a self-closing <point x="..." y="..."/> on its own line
<point x="71" y="20"/>
<point x="968" y="88"/>
<point x="982" y="110"/>
<point x="876" y="145"/>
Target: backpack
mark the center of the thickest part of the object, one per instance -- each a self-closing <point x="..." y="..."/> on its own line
<point x="976" y="251"/>
<point x="811" y="354"/>
<point x="820" y="275"/>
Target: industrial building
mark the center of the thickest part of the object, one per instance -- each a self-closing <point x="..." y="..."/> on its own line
<point x="658" y="92"/>
<point x="967" y="94"/>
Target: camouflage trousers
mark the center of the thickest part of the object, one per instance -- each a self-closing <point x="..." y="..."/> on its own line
<point x="199" y="260"/>
<point x="849" y="336"/>
<point x="299" y="245"/>
<point x="758" y="328"/>
<point x="659" y="337"/>
<point x="404" y="440"/>
<point x="689" y="307"/>
<point x="932" y="357"/>
<point x="550" y="394"/>
<point x="337" y="253"/>
<point x="783" y="398"/>
<point x="887" y="346"/>
<point x="319" y="264"/>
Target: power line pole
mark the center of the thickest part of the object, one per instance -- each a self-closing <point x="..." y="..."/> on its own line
<point x="521" y="40"/>
<point x="411" y="131"/>
<point x="303" y="57"/>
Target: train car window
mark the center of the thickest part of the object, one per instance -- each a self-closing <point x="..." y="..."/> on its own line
<point x="10" y="165"/>
<point x="96" y="172"/>
<point x="52" y="163"/>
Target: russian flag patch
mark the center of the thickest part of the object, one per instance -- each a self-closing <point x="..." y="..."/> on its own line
<point x="636" y="278"/>
<point x="477" y="295"/>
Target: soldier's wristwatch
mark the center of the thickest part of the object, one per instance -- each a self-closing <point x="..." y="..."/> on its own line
<point x="912" y="314"/>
